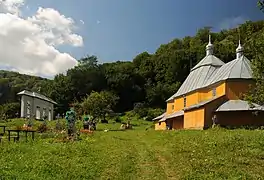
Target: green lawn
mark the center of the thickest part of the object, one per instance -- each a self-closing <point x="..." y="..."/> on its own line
<point x="138" y="154"/>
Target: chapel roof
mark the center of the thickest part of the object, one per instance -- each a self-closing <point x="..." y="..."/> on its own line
<point x="37" y="95"/>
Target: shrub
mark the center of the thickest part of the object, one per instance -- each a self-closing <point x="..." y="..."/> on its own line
<point x="42" y="128"/>
<point x="117" y="119"/>
<point x="104" y="121"/>
<point x="152" y="113"/>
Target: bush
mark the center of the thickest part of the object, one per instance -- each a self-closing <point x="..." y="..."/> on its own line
<point x="140" y="109"/>
<point x="42" y="128"/>
<point x="152" y="113"/>
<point x="117" y="119"/>
<point x="104" y="121"/>
<point x="9" y="110"/>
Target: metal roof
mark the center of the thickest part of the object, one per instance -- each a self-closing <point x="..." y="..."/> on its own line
<point x="239" y="105"/>
<point x="163" y="116"/>
<point x="237" y="69"/>
<point x="209" y="60"/>
<point x="199" y="75"/>
<point x="175" y="114"/>
<point x="37" y="95"/>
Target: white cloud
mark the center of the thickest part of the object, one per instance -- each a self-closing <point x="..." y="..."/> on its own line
<point x="82" y="21"/>
<point x="232" y="22"/>
<point x="11" y="6"/>
<point x="98" y="22"/>
<point x="28" y="45"/>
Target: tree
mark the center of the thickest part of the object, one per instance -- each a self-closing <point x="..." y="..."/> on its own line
<point x="256" y="93"/>
<point x="99" y="104"/>
<point x="261" y="4"/>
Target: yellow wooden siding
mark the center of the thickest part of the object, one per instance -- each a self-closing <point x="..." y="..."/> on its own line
<point x="221" y="89"/>
<point x="170" y="108"/>
<point x="207" y="93"/>
<point x="160" y="125"/>
<point x="194" y="119"/>
<point x="192" y="99"/>
<point x="178" y="104"/>
<point x="236" y="89"/>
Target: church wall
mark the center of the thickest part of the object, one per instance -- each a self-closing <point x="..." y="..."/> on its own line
<point x="210" y="110"/>
<point x="240" y="118"/>
<point x="236" y="88"/>
<point x="160" y="125"/>
<point x="191" y="99"/>
<point x="37" y="106"/>
<point x="24" y="101"/>
<point x="207" y="93"/>
<point x="194" y="119"/>
<point x="44" y="108"/>
<point x="178" y="104"/>
<point x="177" y="123"/>
<point x="170" y="107"/>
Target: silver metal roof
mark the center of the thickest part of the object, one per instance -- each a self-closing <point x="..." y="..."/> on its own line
<point x="199" y="75"/>
<point x="37" y="95"/>
<point x="209" y="60"/>
<point x="239" y="105"/>
<point x="175" y="114"/>
<point x="163" y="117"/>
<point x="237" y="69"/>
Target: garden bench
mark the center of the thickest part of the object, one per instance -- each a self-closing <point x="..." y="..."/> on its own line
<point x="17" y="137"/>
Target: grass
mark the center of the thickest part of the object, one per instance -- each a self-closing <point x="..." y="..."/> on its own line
<point x="137" y="154"/>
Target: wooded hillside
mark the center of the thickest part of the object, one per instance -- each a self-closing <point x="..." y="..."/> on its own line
<point x="148" y="80"/>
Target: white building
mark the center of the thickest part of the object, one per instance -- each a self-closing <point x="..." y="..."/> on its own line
<point x="35" y="104"/>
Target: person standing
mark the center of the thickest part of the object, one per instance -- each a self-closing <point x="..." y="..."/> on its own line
<point x="214" y="119"/>
<point x="70" y="119"/>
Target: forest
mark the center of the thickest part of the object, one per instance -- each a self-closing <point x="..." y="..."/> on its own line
<point x="144" y="82"/>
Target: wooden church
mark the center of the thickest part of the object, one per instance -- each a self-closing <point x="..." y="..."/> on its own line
<point x="213" y="88"/>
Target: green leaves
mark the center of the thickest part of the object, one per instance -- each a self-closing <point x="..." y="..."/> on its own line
<point x="98" y="104"/>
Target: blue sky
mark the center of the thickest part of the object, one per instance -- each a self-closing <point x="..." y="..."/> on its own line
<point x="120" y="29"/>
